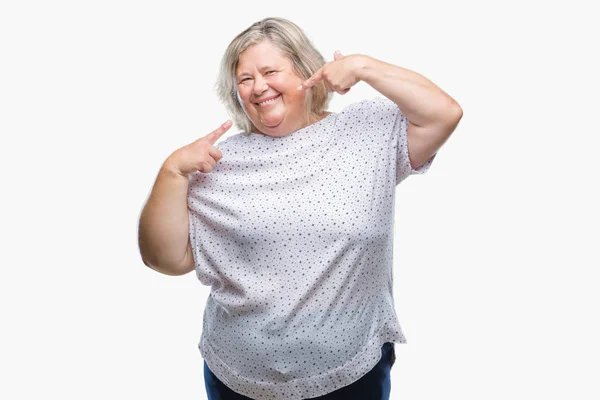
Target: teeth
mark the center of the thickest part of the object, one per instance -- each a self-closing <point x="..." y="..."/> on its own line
<point x="268" y="101"/>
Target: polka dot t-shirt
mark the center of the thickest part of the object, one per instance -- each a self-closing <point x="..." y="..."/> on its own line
<point x="294" y="235"/>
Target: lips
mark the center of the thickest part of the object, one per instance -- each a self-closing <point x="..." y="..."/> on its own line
<point x="266" y="99"/>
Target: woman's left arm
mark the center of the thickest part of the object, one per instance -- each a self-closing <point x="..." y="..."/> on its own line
<point x="432" y="114"/>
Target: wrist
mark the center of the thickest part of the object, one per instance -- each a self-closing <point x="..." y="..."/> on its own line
<point x="363" y="65"/>
<point x="169" y="169"/>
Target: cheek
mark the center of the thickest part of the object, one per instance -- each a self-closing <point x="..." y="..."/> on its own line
<point x="295" y="96"/>
<point x="290" y="90"/>
<point x="286" y="83"/>
<point x="242" y="94"/>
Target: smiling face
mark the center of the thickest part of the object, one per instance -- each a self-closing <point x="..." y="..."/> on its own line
<point x="268" y="88"/>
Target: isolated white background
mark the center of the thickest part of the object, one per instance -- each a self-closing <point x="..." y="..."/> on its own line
<point x="496" y="265"/>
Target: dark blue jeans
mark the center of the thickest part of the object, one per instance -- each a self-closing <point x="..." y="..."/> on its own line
<point x="375" y="385"/>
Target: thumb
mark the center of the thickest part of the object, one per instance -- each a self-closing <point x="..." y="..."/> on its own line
<point x="337" y="55"/>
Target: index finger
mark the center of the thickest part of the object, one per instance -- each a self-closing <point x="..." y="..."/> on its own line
<point x="317" y="76"/>
<point x="217" y="133"/>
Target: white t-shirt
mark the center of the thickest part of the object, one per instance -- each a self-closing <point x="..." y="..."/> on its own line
<point x="295" y="237"/>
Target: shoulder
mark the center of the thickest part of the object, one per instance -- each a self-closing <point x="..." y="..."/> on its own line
<point x="369" y="113"/>
<point x="373" y="106"/>
<point x="232" y="141"/>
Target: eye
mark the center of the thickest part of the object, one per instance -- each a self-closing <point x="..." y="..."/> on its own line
<point x="245" y="79"/>
<point x="271" y="72"/>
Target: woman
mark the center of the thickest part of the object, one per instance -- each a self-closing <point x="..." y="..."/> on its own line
<point x="292" y="229"/>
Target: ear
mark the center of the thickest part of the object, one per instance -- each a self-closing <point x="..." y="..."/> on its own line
<point x="337" y="55"/>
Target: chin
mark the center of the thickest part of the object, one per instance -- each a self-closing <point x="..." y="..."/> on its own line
<point x="262" y="126"/>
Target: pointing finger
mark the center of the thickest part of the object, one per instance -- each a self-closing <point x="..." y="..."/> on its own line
<point x="217" y="133"/>
<point x="312" y="80"/>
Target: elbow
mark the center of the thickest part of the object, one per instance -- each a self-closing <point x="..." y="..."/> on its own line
<point x="453" y="117"/>
<point x="456" y="113"/>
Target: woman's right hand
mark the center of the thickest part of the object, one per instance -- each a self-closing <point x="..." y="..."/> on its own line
<point x="199" y="155"/>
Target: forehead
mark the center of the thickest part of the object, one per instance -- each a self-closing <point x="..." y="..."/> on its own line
<point x="258" y="56"/>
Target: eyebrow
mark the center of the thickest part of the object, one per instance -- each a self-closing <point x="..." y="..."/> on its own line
<point x="260" y="69"/>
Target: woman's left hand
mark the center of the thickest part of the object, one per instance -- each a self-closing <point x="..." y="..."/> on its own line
<point x="338" y="75"/>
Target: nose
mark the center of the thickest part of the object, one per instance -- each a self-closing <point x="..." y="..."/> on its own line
<point x="260" y="86"/>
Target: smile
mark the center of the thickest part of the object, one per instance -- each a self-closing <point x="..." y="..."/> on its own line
<point x="269" y="101"/>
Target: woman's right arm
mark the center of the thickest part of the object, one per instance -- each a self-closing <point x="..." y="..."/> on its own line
<point x="164" y="225"/>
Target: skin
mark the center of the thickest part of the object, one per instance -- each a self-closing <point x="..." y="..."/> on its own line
<point x="432" y="113"/>
<point x="263" y="72"/>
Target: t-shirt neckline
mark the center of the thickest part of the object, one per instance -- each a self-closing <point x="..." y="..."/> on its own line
<point x="296" y="132"/>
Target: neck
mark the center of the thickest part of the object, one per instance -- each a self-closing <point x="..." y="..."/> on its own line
<point x="309" y="120"/>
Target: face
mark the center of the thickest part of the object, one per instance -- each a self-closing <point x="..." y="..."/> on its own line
<point x="268" y="88"/>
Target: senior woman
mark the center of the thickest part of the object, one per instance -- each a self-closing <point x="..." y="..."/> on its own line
<point x="290" y="221"/>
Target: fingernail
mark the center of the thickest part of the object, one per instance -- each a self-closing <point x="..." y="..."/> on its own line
<point x="300" y="87"/>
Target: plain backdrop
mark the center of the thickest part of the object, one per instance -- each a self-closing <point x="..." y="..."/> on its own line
<point x="496" y="260"/>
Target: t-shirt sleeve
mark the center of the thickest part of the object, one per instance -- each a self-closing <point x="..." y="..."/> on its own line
<point x="395" y="124"/>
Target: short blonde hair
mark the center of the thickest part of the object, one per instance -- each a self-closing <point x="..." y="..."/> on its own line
<point x="294" y="44"/>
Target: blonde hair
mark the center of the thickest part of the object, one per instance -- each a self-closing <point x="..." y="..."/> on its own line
<point x="294" y="44"/>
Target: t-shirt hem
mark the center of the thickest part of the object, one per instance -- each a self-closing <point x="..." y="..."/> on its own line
<point x="303" y="388"/>
<point x="424" y="167"/>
